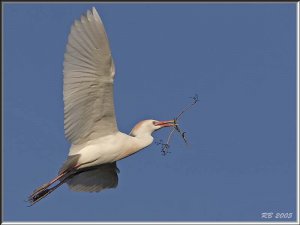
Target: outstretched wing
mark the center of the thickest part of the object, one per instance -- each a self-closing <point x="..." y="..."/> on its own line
<point x="88" y="81"/>
<point x="95" y="179"/>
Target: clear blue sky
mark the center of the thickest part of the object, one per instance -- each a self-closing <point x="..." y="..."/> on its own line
<point x="239" y="58"/>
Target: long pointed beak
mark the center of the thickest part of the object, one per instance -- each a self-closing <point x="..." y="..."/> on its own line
<point x="167" y="123"/>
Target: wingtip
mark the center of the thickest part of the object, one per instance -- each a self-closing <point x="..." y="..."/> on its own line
<point x="94" y="11"/>
<point x="96" y="14"/>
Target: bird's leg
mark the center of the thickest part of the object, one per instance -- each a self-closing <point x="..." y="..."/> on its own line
<point x="43" y="193"/>
<point x="42" y="188"/>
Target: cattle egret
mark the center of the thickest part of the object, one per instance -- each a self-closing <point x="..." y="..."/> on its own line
<point x="89" y="116"/>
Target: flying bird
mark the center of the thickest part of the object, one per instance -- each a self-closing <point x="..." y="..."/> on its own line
<point x="89" y="117"/>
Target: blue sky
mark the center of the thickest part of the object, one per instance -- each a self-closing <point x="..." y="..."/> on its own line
<point x="239" y="58"/>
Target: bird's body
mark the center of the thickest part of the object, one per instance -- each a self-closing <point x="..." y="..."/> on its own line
<point x="90" y="122"/>
<point x="108" y="148"/>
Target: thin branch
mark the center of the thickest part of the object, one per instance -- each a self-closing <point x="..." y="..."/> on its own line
<point x="166" y="146"/>
<point x="196" y="99"/>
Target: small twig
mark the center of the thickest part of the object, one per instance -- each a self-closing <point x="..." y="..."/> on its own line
<point x="196" y="99"/>
<point x="184" y="137"/>
<point x="170" y="135"/>
<point x="166" y="146"/>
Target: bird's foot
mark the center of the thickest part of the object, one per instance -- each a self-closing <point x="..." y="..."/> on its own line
<point x="38" y="195"/>
<point x="39" y="189"/>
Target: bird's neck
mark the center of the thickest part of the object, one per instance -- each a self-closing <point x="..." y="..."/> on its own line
<point x="143" y="140"/>
<point x="138" y="143"/>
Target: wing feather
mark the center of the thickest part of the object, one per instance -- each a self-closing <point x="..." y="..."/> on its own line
<point x="95" y="179"/>
<point x="88" y="81"/>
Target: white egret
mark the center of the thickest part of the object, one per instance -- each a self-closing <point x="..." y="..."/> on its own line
<point x="89" y="117"/>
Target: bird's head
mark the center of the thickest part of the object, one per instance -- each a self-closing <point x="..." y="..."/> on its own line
<point x="149" y="126"/>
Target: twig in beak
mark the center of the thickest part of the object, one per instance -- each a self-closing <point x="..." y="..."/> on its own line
<point x="165" y="146"/>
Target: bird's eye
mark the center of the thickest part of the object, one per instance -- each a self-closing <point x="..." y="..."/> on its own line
<point x="154" y="123"/>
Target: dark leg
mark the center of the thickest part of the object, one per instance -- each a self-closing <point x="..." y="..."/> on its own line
<point x="42" y="190"/>
<point x="43" y="193"/>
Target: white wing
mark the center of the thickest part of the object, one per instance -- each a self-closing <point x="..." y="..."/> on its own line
<point x="88" y="81"/>
<point x="95" y="179"/>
